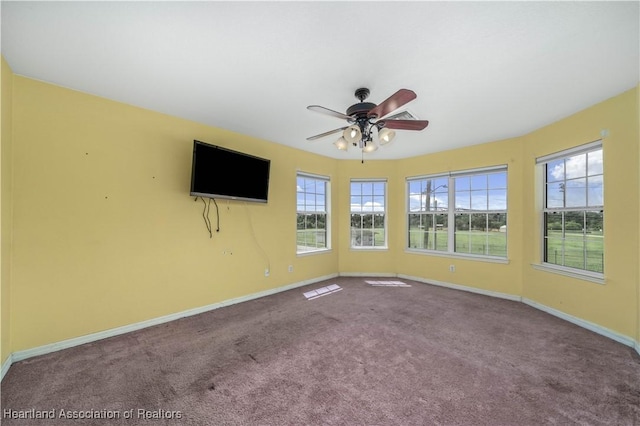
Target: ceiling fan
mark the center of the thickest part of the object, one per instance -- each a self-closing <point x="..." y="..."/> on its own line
<point x="364" y="117"/>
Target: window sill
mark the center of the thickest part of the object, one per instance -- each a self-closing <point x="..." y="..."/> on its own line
<point x="479" y="258"/>
<point x="379" y="248"/>
<point x="593" y="277"/>
<point x="312" y="252"/>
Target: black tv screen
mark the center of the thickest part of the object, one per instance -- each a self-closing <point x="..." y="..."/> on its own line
<point x="218" y="172"/>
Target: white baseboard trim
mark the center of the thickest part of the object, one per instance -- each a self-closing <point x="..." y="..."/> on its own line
<point x="69" y="343"/>
<point x="463" y="288"/>
<point x="638" y="347"/>
<point x="5" y="366"/>
<point x="603" y="331"/>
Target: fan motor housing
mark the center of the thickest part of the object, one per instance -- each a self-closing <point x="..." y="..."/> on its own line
<point x="360" y="109"/>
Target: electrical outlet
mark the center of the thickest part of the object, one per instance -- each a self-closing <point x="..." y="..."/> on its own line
<point x="266" y="272"/>
<point x="290" y="268"/>
<point x="452" y="268"/>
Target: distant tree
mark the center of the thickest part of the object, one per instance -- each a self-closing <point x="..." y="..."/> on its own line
<point x="573" y="226"/>
<point x="462" y="222"/>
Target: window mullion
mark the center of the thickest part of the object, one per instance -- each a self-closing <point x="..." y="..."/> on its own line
<point x="563" y="239"/>
<point x="486" y="232"/>
<point x="451" y="215"/>
<point x="584" y="239"/>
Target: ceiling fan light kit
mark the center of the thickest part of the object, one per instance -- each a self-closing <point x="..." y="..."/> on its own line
<point x="386" y="135"/>
<point x="369" y="146"/>
<point x="342" y="144"/>
<point x="364" y="118"/>
<point x="352" y="134"/>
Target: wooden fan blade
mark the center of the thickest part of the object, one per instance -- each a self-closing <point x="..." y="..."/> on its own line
<point x="406" y="124"/>
<point x="322" y="135"/>
<point x="392" y="103"/>
<point x="323" y="110"/>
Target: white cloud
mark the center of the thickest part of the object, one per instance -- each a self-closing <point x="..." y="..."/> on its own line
<point x="417" y="201"/>
<point x="576" y="166"/>
<point x="368" y="207"/>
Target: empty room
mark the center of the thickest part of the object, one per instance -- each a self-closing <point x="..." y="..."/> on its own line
<point x="305" y="213"/>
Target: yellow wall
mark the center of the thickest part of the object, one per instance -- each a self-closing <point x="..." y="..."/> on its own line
<point x="613" y="305"/>
<point x="105" y="232"/>
<point x="5" y="209"/>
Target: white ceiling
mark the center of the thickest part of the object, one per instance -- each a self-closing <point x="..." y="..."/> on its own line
<point x="482" y="71"/>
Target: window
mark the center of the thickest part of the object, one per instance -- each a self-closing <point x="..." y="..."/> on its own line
<point x="573" y="208"/>
<point x="462" y="212"/>
<point x="312" y="213"/>
<point x="368" y="214"/>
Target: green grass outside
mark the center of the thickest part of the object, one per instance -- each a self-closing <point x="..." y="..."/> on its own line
<point x="581" y="253"/>
<point x="310" y="239"/>
<point x="492" y="243"/>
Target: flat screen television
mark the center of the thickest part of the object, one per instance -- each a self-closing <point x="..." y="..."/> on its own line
<point x="218" y="172"/>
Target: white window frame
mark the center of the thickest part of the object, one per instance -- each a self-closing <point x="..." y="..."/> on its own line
<point x="451" y="211"/>
<point x="354" y="239"/>
<point x="541" y="164"/>
<point x="305" y="250"/>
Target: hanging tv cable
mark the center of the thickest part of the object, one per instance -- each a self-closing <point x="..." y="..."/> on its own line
<point x="217" y="216"/>
<point x="205" y="215"/>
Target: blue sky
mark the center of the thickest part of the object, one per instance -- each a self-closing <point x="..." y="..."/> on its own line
<point x="575" y="181"/>
<point x="478" y="192"/>
<point x="572" y="182"/>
